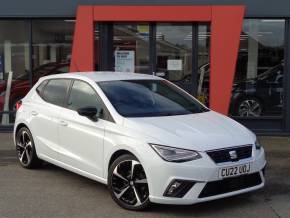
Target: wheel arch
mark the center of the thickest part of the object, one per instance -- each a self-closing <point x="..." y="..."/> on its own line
<point x="117" y="154"/>
<point x="18" y="127"/>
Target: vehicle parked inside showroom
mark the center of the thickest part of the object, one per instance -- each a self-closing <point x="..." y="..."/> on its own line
<point x="20" y="85"/>
<point x="254" y="97"/>
<point x="259" y="96"/>
<point x="144" y="137"/>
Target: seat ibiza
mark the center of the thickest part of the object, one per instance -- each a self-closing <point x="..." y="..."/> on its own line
<point x="142" y="136"/>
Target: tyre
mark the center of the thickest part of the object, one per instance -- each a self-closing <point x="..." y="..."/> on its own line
<point x="127" y="183"/>
<point x="26" y="149"/>
<point x="249" y="107"/>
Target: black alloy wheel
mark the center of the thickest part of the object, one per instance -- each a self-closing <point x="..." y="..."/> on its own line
<point x="25" y="149"/>
<point x="128" y="183"/>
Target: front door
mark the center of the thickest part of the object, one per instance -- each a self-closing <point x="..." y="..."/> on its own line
<point x="80" y="138"/>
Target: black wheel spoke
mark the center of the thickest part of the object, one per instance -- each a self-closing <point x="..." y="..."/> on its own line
<point x="138" y="201"/>
<point x="115" y="172"/>
<point x="22" y="156"/>
<point x="23" y="138"/>
<point x="20" y="145"/>
<point x="133" y="164"/>
<point x="29" y="145"/>
<point x="123" y="191"/>
<point x="28" y="158"/>
<point x="141" y="181"/>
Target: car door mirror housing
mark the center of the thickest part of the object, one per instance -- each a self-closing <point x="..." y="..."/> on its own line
<point x="89" y="112"/>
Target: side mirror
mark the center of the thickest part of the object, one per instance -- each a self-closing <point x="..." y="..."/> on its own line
<point x="89" y="112"/>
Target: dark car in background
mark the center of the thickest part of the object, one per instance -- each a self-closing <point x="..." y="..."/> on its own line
<point x="259" y="96"/>
<point x="20" y="84"/>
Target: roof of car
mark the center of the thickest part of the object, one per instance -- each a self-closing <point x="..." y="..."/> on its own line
<point x="98" y="76"/>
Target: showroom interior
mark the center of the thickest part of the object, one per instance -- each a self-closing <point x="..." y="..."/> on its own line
<point x="37" y="41"/>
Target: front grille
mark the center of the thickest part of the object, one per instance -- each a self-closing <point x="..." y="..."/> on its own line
<point x="223" y="155"/>
<point x="230" y="185"/>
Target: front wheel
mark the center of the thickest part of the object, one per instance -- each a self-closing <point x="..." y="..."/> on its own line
<point x="127" y="183"/>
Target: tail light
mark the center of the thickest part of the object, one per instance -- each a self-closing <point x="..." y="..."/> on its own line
<point x="18" y="105"/>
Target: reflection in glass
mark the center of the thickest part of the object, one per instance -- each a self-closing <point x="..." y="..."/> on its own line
<point x="203" y="63"/>
<point x="174" y="53"/>
<point x="52" y="42"/>
<point x="258" y="85"/>
<point x="131" y="48"/>
<point x="14" y="58"/>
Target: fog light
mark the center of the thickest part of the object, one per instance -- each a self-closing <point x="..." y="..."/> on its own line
<point x="178" y="188"/>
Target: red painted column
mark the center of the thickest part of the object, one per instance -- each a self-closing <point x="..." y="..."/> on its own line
<point x="83" y="42"/>
<point x="226" y="25"/>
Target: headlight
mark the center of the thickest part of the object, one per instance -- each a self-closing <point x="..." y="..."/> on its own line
<point x="175" y="154"/>
<point x="2" y="93"/>
<point x="258" y="145"/>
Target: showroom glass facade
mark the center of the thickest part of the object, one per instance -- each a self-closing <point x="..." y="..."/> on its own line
<point x="30" y="49"/>
<point x="179" y="52"/>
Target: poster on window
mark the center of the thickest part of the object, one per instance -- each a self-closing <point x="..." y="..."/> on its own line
<point x="174" y="64"/>
<point x="125" y="61"/>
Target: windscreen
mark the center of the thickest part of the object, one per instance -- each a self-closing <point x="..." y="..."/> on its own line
<point x="149" y="98"/>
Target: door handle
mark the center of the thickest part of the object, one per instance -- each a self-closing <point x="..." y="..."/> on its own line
<point x="34" y="113"/>
<point x="63" y="123"/>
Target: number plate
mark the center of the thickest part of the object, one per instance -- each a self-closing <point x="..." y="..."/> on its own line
<point x="234" y="170"/>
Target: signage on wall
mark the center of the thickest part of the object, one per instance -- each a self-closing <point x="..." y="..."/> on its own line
<point x="125" y="61"/>
<point x="174" y="64"/>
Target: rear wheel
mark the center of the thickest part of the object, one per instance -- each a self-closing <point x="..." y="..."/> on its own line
<point x="128" y="183"/>
<point x="26" y="149"/>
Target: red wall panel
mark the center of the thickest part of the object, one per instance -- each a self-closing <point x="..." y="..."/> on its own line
<point x="83" y="42"/>
<point x="226" y="25"/>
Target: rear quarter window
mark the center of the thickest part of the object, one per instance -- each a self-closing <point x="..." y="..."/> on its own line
<point x="55" y="91"/>
<point x="39" y="89"/>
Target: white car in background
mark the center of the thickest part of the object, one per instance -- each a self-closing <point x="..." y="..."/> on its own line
<point x="144" y="137"/>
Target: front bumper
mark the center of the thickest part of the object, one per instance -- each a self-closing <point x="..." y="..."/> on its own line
<point x="202" y="172"/>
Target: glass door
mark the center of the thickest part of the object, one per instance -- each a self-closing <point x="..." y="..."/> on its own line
<point x="174" y="60"/>
<point x="161" y="49"/>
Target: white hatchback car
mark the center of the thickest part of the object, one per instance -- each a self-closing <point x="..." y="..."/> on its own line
<point x="144" y="137"/>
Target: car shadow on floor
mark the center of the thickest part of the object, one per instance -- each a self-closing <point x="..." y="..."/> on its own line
<point x="209" y="208"/>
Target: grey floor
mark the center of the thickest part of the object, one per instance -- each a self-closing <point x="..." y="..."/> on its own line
<point x="54" y="192"/>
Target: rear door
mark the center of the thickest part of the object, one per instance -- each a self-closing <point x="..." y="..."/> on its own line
<point x="44" y="112"/>
<point x="81" y="139"/>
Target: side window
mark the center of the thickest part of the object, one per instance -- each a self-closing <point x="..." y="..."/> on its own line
<point x="83" y="95"/>
<point x="55" y="91"/>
